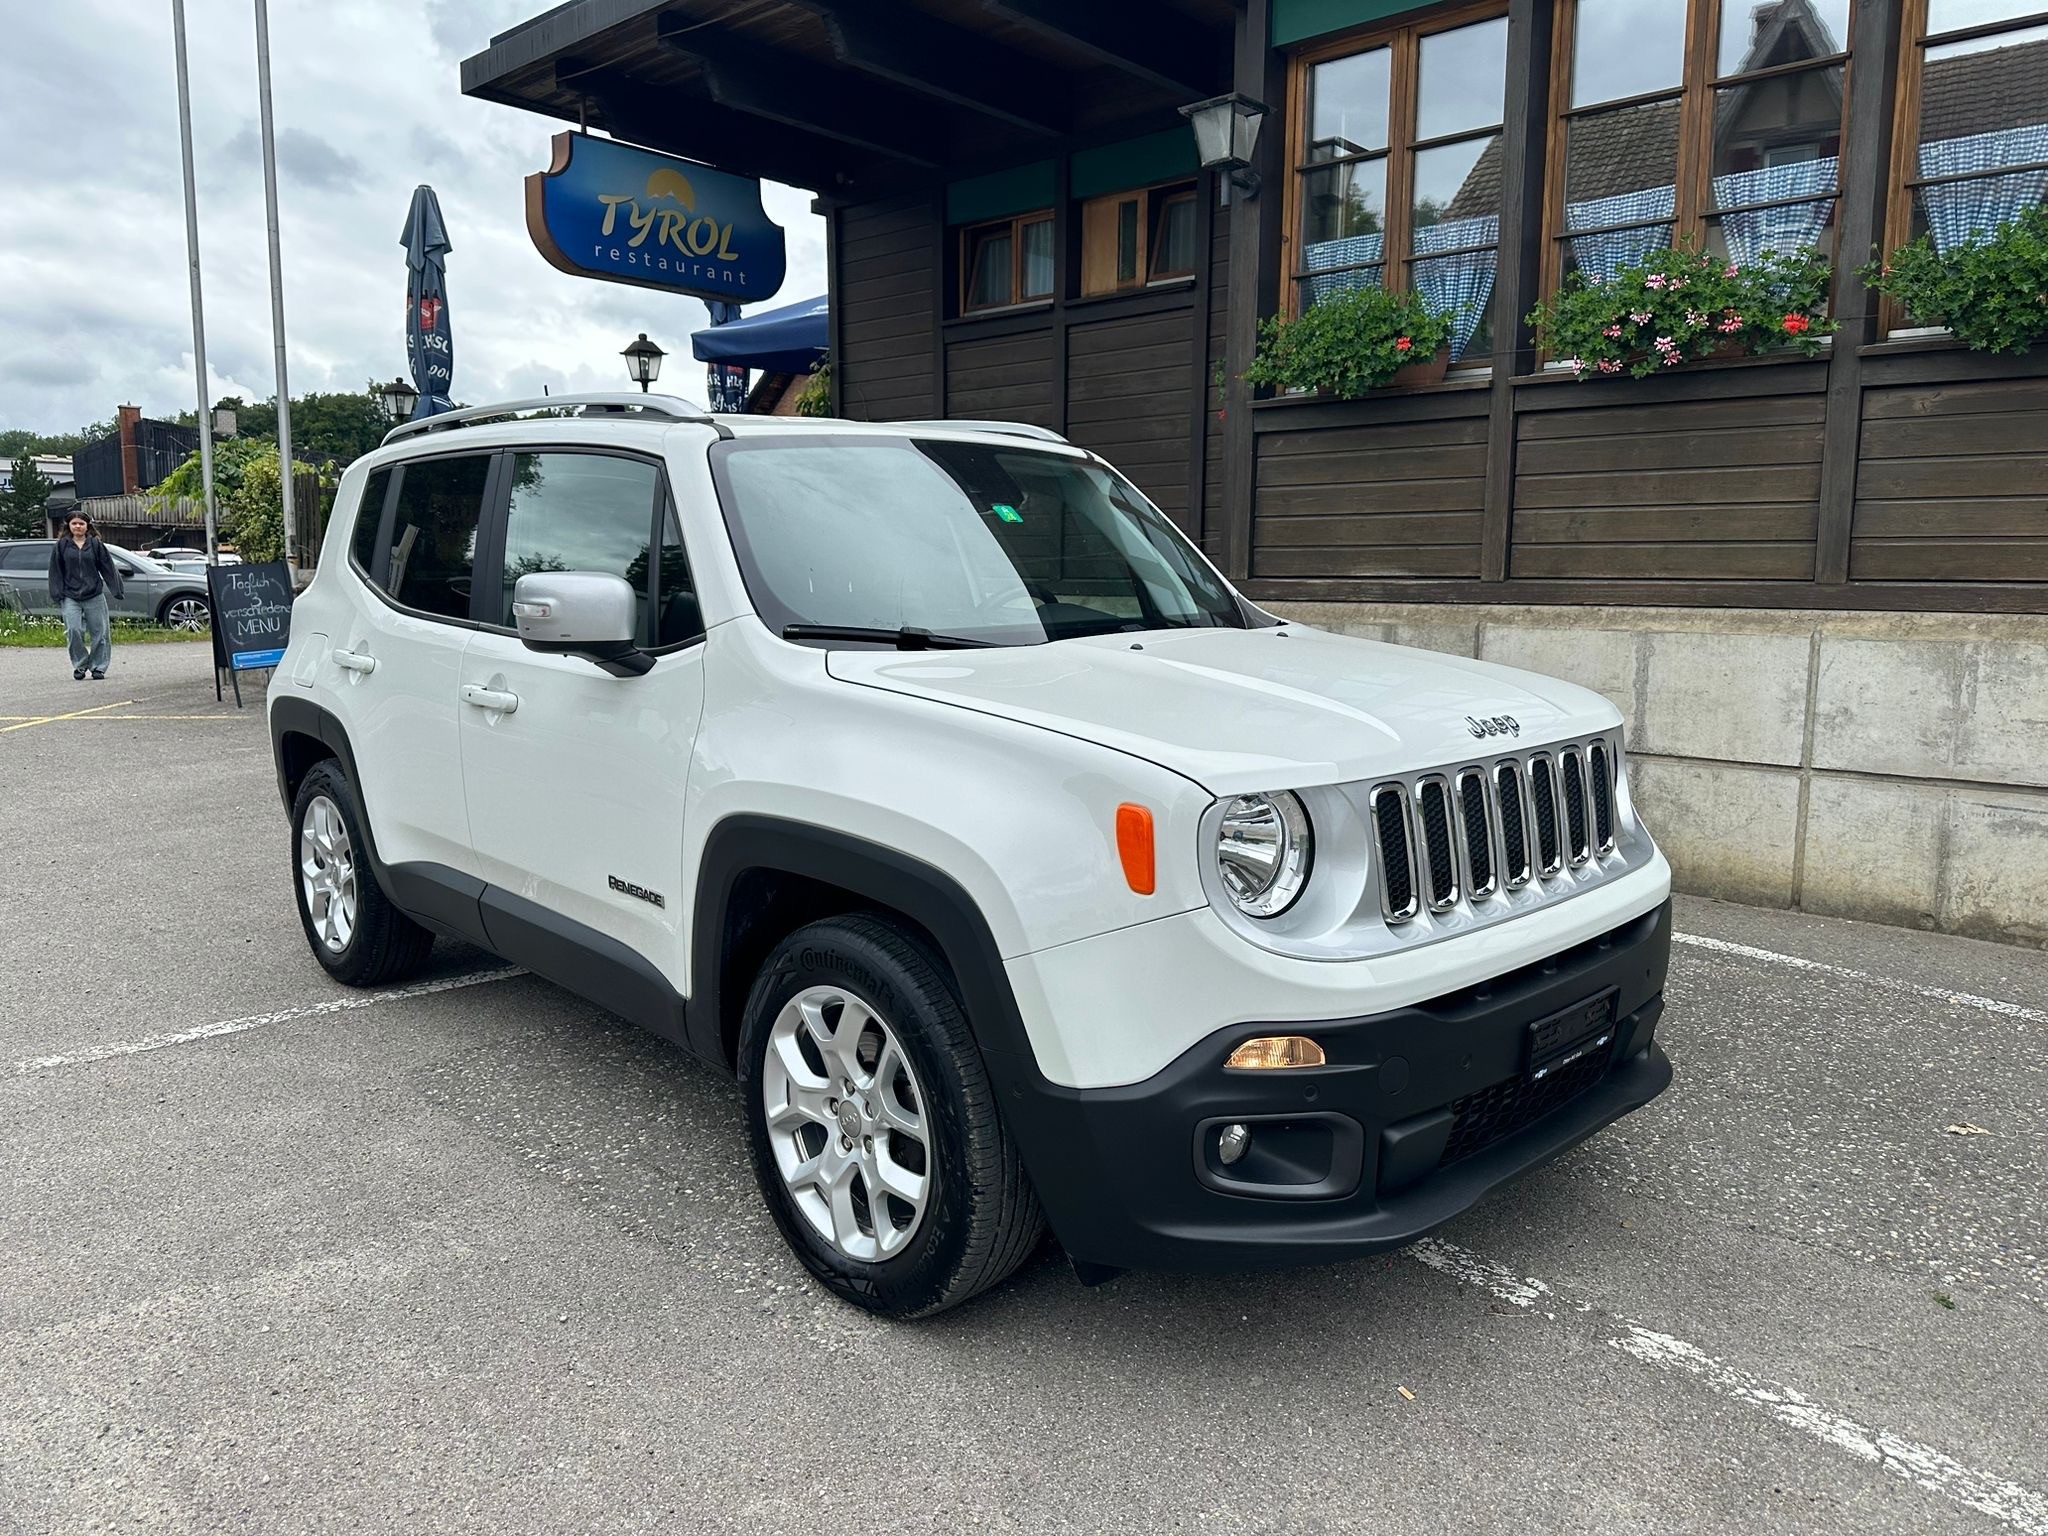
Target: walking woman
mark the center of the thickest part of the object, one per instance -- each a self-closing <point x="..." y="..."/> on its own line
<point x="81" y="571"/>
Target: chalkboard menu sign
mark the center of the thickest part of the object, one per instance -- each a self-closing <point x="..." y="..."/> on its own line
<point x="252" y="614"/>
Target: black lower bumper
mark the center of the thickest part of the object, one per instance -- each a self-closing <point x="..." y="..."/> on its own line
<point x="1418" y="1113"/>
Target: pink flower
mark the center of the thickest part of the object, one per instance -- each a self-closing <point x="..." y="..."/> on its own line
<point x="1612" y="333"/>
<point x="1403" y="344"/>
<point x="1670" y="358"/>
<point x="1654" y="280"/>
<point x="1694" y="318"/>
<point x="1731" y="325"/>
<point x="1642" y="318"/>
<point x="1665" y="344"/>
<point x="1676" y="283"/>
<point x="1732" y="271"/>
<point x="1576" y="364"/>
<point x="1609" y="365"/>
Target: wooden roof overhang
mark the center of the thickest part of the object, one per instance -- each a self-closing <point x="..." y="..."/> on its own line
<point x="852" y="98"/>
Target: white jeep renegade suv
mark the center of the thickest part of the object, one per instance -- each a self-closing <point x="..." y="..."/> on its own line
<point x="927" y="778"/>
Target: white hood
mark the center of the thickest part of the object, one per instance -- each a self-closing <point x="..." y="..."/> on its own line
<point x="1240" y="710"/>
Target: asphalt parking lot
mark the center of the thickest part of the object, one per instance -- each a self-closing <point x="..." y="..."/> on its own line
<point x="473" y="1256"/>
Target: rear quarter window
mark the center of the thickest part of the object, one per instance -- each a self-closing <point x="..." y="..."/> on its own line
<point x="369" y="512"/>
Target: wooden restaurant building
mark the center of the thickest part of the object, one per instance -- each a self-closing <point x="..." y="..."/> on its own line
<point x="1817" y="587"/>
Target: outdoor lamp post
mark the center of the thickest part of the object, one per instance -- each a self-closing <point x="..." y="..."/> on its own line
<point x="399" y="398"/>
<point x="1227" y="136"/>
<point x="643" y="361"/>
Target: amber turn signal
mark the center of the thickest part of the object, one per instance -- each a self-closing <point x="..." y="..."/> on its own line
<point x="1270" y="1052"/>
<point x="1134" y="847"/>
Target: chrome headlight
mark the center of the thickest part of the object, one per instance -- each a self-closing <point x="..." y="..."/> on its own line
<point x="1264" y="847"/>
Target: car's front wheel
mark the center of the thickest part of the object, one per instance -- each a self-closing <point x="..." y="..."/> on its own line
<point x="874" y="1128"/>
<point x="353" y="929"/>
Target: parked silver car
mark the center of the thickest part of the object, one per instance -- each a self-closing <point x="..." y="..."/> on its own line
<point x="150" y="589"/>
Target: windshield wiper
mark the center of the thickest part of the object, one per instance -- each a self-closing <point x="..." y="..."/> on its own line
<point x="908" y="638"/>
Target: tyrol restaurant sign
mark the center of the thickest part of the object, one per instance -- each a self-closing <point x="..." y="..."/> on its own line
<point x="604" y="209"/>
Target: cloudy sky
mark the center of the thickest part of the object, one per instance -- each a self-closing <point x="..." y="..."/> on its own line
<point x="94" y="310"/>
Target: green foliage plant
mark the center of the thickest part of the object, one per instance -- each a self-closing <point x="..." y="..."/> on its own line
<point x="1992" y="293"/>
<point x="1348" y="343"/>
<point x="23" y="508"/>
<point x="815" y="398"/>
<point x="1682" y="305"/>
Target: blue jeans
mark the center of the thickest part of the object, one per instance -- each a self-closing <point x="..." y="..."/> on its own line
<point x="86" y="633"/>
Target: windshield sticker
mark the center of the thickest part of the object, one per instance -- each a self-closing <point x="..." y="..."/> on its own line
<point x="1007" y="513"/>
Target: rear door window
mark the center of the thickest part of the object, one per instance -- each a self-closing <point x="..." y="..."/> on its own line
<point x="433" y="534"/>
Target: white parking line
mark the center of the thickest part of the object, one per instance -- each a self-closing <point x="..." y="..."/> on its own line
<point x="2012" y="1504"/>
<point x="259" y="1020"/>
<point x="2007" y="1010"/>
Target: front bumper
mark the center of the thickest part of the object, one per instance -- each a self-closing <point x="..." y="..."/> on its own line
<point x="1419" y="1113"/>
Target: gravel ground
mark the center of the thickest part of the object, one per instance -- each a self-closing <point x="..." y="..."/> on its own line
<point x="481" y="1258"/>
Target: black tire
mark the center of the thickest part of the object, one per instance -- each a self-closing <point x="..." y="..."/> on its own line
<point x="386" y="945"/>
<point x="983" y="1219"/>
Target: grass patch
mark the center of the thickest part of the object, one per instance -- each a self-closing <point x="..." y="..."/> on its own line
<point x="20" y="630"/>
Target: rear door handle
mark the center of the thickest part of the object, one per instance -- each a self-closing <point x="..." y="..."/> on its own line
<point x="355" y="661"/>
<point x="489" y="698"/>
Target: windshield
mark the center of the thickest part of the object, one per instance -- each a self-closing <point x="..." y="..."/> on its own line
<point x="1005" y="546"/>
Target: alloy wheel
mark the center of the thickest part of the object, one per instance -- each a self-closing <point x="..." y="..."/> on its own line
<point x="847" y="1123"/>
<point x="327" y="871"/>
<point x="188" y="613"/>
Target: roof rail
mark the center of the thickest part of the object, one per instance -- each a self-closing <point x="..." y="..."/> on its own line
<point x="1008" y="428"/>
<point x="606" y="403"/>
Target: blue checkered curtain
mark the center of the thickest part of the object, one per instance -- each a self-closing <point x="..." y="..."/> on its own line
<point x="1458" y="285"/>
<point x="1602" y="256"/>
<point x="1793" y="227"/>
<point x="1962" y="211"/>
<point x="1332" y="256"/>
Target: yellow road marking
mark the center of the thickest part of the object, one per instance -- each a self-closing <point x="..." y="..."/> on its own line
<point x="76" y="714"/>
<point x="96" y="719"/>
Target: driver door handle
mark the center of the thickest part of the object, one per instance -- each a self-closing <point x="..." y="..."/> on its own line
<point x="489" y="698"/>
<point x="355" y="661"/>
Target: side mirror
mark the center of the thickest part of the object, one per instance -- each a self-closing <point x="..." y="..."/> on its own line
<point x="581" y="613"/>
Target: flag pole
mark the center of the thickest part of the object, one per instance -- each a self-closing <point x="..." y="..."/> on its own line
<point x="192" y="261"/>
<point x="284" y="393"/>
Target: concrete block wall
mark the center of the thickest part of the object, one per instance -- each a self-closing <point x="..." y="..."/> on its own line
<point x="1891" y="767"/>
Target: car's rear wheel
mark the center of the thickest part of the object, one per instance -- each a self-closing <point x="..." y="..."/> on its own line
<point x="351" y="926"/>
<point x="188" y="613"/>
<point x="875" y="1131"/>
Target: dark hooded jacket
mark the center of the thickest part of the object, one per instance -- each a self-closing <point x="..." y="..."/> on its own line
<point x="81" y="574"/>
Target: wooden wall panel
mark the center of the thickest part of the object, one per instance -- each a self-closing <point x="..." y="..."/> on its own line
<point x="1952" y="484"/>
<point x="1006" y="378"/>
<point x="1394" y="498"/>
<point x="886" y="288"/>
<point x="1129" y="397"/>
<point x="1698" y="490"/>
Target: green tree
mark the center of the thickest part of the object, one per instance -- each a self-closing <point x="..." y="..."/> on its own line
<point x="16" y="441"/>
<point x="22" y="509"/>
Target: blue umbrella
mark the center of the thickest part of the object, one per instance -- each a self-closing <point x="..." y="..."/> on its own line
<point x="786" y="340"/>
<point x="429" y="341"/>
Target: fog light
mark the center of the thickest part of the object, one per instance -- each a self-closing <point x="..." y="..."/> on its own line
<point x="1232" y="1142"/>
<point x="1270" y="1052"/>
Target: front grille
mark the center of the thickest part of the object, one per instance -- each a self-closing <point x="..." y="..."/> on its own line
<point x="1472" y="819"/>
<point x="1433" y="802"/>
<point x="1543" y="791"/>
<point x="1468" y="839"/>
<point x="1396" y="853"/>
<point x="1572" y="767"/>
<point x="1603" y="795"/>
<point x="1514" y="835"/>
<point x="1496" y="1113"/>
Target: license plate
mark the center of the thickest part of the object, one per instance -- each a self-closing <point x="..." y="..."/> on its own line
<point x="1570" y="1035"/>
